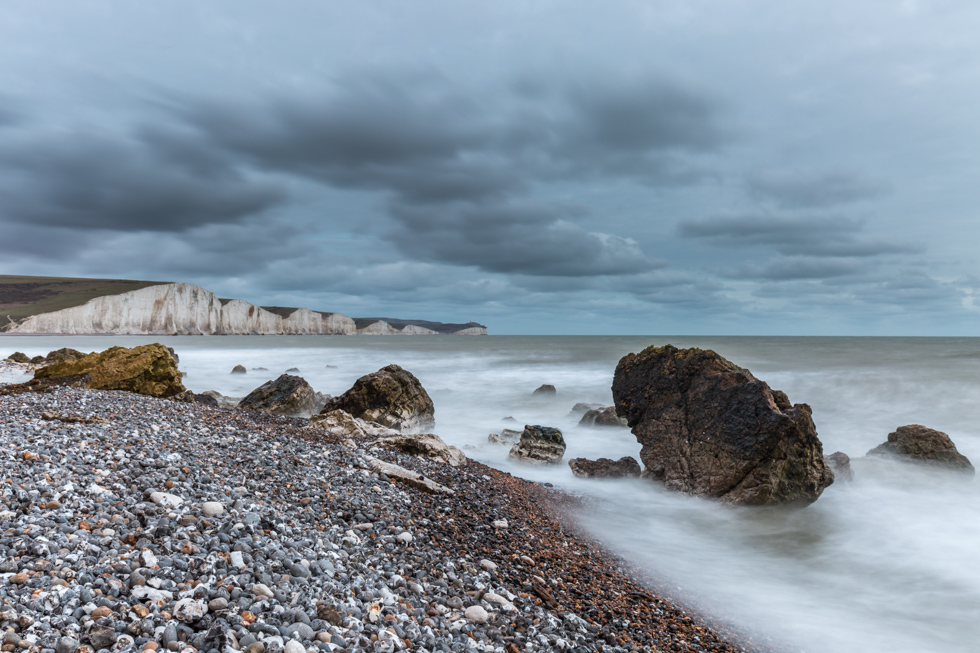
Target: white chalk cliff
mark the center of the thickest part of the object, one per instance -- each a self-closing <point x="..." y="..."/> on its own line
<point x="181" y="309"/>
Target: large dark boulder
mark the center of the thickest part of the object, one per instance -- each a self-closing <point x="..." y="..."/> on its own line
<point x="392" y="397"/>
<point x="288" y="395"/>
<point x="147" y="370"/>
<point x="539" y="445"/>
<point x="709" y="428"/>
<point x="625" y="467"/>
<point x="19" y="357"/>
<point x="917" y="443"/>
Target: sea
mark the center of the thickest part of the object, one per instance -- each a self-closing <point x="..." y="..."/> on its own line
<point x="888" y="562"/>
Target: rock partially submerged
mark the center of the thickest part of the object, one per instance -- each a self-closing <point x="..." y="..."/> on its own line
<point x="288" y="395"/>
<point x="19" y="357"/>
<point x="239" y="369"/>
<point x="427" y="445"/>
<point x="147" y="370"/>
<point x="540" y="445"/>
<point x="392" y="397"/>
<point x="840" y="464"/>
<point x="709" y="428"/>
<point x="602" y="417"/>
<point x="625" y="467"/>
<point x="545" y="389"/>
<point x="582" y="408"/>
<point x="920" y="444"/>
<point x="506" y="436"/>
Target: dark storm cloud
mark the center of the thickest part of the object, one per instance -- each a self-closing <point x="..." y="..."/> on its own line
<point x="809" y="191"/>
<point x="459" y="168"/>
<point x="147" y="180"/>
<point x="815" y="236"/>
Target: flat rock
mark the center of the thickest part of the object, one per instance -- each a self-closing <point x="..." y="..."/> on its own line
<point x="428" y="445"/>
<point x="709" y="428"/>
<point x="605" y="468"/>
<point x="408" y="477"/>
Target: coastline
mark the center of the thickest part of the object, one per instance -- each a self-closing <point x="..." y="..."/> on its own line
<point x="583" y="598"/>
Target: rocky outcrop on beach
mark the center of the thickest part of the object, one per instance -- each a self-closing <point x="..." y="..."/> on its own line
<point x="920" y="444"/>
<point x="539" y="445"/>
<point x="287" y="395"/>
<point x="163" y="526"/>
<point x="147" y="369"/>
<point x="709" y="428"/>
<point x="602" y="417"/>
<point x="19" y="357"/>
<point x="625" y="467"/>
<point x="392" y="397"/>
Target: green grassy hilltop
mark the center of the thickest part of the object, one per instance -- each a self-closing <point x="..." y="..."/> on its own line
<point x="22" y="297"/>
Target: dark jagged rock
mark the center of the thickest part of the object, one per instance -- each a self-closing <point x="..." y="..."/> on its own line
<point x="288" y="395"/>
<point x="605" y="468"/>
<point x="539" y="445"/>
<point x="545" y="390"/>
<point x="917" y="443"/>
<point x="19" y="357"/>
<point x="239" y="369"/>
<point x="602" y="417"/>
<point x="709" y="428"/>
<point x="840" y="464"/>
<point x="37" y="360"/>
<point x="392" y="397"/>
<point x="147" y="370"/>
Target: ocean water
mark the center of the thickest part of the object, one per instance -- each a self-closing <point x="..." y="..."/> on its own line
<point x="889" y="562"/>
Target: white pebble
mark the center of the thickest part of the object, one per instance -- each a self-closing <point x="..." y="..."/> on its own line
<point x="476" y="614"/>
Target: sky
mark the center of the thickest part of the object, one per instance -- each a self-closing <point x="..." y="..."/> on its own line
<point x="652" y="167"/>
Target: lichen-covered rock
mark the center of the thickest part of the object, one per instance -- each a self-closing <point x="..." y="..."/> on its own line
<point x="917" y="443"/>
<point x="709" y="428"/>
<point x="428" y="445"/>
<point x="66" y="354"/>
<point x="146" y="370"/>
<point x="539" y="445"/>
<point x="288" y="395"/>
<point x="19" y="357"/>
<point x="840" y="464"/>
<point x="602" y="417"/>
<point x="392" y="397"/>
<point x="625" y="467"/>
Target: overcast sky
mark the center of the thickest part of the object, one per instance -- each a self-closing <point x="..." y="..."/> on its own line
<point x="649" y="167"/>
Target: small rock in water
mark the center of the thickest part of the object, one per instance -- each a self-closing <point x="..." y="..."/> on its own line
<point x="545" y="389"/>
<point x="239" y="369"/>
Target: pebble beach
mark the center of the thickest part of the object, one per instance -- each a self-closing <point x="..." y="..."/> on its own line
<point x="132" y="523"/>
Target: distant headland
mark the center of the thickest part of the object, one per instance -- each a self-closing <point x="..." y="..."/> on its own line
<point x="69" y="306"/>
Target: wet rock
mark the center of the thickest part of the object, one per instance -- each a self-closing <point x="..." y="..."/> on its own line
<point x="582" y="408"/>
<point x="65" y="354"/>
<point x="239" y="369"/>
<point x="19" y="357"/>
<point x="545" y="390"/>
<point x="148" y="370"/>
<point x="287" y="395"/>
<point x="605" y="468"/>
<point x="506" y="436"/>
<point x="392" y="397"/>
<point x="709" y="428"/>
<point x="840" y="464"/>
<point x="602" y="417"/>
<point x="920" y="444"/>
<point x="428" y="445"/>
<point x="539" y="445"/>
